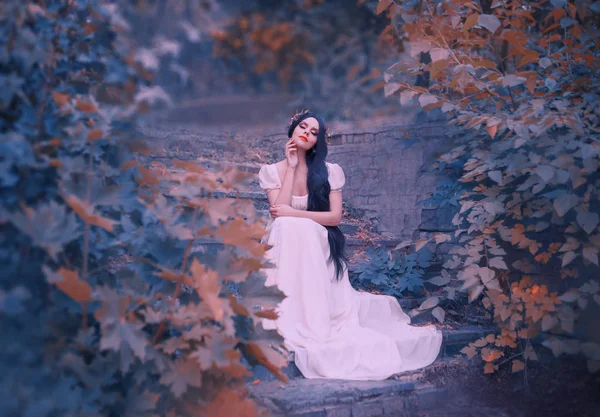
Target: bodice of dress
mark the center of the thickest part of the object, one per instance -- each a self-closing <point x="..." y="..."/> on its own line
<point x="268" y="178"/>
<point x="300" y="202"/>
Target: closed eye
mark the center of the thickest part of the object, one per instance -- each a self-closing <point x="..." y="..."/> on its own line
<point x="313" y="131"/>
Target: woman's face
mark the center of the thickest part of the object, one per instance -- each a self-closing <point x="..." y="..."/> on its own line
<point x="305" y="134"/>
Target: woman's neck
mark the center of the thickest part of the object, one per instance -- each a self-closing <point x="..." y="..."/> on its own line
<point x="302" y="160"/>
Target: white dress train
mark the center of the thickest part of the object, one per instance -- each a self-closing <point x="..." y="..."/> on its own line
<point x="335" y="331"/>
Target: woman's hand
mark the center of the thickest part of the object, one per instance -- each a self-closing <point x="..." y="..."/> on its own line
<point x="291" y="153"/>
<point x="281" y="210"/>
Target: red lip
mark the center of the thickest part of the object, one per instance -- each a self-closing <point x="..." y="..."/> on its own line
<point x="304" y="138"/>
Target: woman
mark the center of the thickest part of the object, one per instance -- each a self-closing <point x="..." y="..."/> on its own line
<point x="334" y="330"/>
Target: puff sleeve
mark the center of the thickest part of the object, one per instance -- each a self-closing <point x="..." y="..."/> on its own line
<point x="337" y="179"/>
<point x="268" y="177"/>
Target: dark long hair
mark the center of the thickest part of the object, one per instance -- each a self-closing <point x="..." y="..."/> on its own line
<point x="318" y="192"/>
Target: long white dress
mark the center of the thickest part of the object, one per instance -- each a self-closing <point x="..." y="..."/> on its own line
<point x="335" y="331"/>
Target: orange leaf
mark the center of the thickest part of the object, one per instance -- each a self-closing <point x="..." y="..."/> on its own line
<point x="86" y="107"/>
<point x="89" y="29"/>
<point x="148" y="177"/>
<point x="382" y="6"/>
<point x="470" y="351"/>
<point x="235" y="370"/>
<point x="267" y="314"/>
<point x="229" y="403"/>
<point x="60" y="98"/>
<point x="490" y="355"/>
<point x="244" y="235"/>
<point x="378" y="86"/>
<point x="434" y="105"/>
<point x="237" y="307"/>
<point x="489" y="368"/>
<point x="517" y="365"/>
<point x="85" y="211"/>
<point x="174" y="276"/>
<point x="257" y="351"/>
<point x="95" y="134"/>
<point x="492" y="130"/>
<point x="471" y="21"/>
<point x="207" y="286"/>
<point x="553" y="26"/>
<point x="528" y="57"/>
<point x="531" y="83"/>
<point x="79" y="291"/>
<point x="128" y="164"/>
<point x="486" y="63"/>
<point x="437" y="67"/>
<point x="353" y="72"/>
<point x="419" y="89"/>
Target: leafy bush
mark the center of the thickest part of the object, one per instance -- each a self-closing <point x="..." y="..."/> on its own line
<point x="392" y="272"/>
<point x="522" y="79"/>
<point x="112" y="297"/>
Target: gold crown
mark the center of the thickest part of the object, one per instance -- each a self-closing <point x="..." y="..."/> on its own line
<point x="299" y="114"/>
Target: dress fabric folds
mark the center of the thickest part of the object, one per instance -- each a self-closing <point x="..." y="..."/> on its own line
<point x="335" y="331"/>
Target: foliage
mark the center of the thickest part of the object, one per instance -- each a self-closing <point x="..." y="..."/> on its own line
<point x="172" y="35"/>
<point x="523" y="77"/>
<point x="327" y="53"/>
<point x="112" y="296"/>
<point x="392" y="272"/>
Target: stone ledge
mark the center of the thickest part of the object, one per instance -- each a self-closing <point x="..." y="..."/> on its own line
<point x="207" y="163"/>
<point x="388" y="243"/>
<point x="373" y="126"/>
<point x="251" y="195"/>
<point x="336" y="398"/>
<point x="313" y="395"/>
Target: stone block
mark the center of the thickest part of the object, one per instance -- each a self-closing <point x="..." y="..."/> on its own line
<point x="411" y="406"/>
<point x="394" y="406"/>
<point x="431" y="397"/>
<point x="336" y="140"/>
<point x="342" y="411"/>
<point x="370" y="409"/>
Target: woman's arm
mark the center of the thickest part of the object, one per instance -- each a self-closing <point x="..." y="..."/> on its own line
<point x="283" y="195"/>
<point x="333" y="217"/>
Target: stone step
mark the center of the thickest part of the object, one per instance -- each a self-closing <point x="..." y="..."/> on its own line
<point x="252" y="191"/>
<point x="208" y="163"/>
<point x="404" y="394"/>
<point x="259" y="199"/>
<point x="328" y="398"/>
<point x="349" y="226"/>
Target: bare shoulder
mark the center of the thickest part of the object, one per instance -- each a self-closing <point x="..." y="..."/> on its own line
<point x="281" y="164"/>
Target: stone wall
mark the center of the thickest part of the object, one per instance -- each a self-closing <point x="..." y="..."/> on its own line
<point x="386" y="175"/>
<point x="385" y="164"/>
